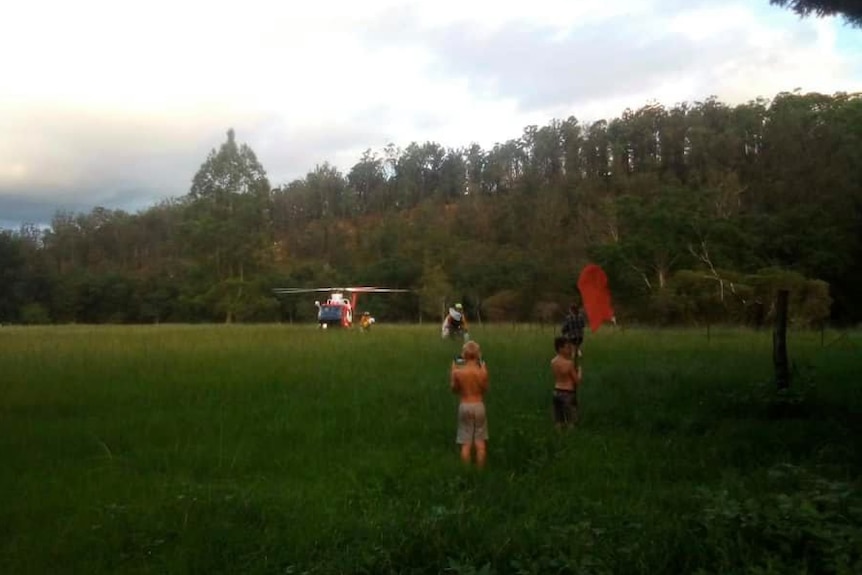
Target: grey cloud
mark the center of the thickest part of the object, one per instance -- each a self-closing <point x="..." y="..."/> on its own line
<point x="539" y="71"/>
<point x="131" y="185"/>
<point x="132" y="167"/>
<point x="605" y="60"/>
<point x="40" y="206"/>
<point x="289" y="152"/>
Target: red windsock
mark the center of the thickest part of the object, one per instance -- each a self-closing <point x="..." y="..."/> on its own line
<point x="593" y="284"/>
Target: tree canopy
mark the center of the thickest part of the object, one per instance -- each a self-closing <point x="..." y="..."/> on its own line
<point x="698" y="213"/>
<point x="850" y="9"/>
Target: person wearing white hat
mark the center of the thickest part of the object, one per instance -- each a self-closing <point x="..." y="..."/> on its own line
<point x="455" y="323"/>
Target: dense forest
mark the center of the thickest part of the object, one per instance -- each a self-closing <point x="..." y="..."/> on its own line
<point x="698" y="213"/>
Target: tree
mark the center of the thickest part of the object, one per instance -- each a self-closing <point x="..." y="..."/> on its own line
<point x="681" y="205"/>
<point x="367" y="181"/>
<point x="230" y="171"/>
<point x="654" y="233"/>
<point x="475" y="161"/>
<point x="327" y="191"/>
<point x="434" y="289"/>
<point x="11" y="266"/>
<point x="229" y="219"/>
<point x="453" y="176"/>
<point x="850" y="9"/>
<point x="417" y="172"/>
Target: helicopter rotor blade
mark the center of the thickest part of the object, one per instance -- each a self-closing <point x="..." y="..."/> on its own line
<point x="364" y="289"/>
<point x="375" y="290"/>
<point x="288" y="291"/>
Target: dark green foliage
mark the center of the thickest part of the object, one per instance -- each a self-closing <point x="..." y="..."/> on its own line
<point x="727" y="297"/>
<point x="807" y="524"/>
<point x="702" y="188"/>
<point x="850" y="9"/>
<point x="11" y="266"/>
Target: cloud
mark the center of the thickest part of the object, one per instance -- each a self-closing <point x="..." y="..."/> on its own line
<point x="17" y="208"/>
<point x="723" y="50"/>
<point x="111" y="104"/>
<point x="70" y="151"/>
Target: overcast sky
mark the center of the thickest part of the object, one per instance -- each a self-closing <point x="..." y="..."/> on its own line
<point x="116" y="104"/>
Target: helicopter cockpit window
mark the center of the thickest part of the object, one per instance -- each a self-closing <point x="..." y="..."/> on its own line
<point x="330" y="313"/>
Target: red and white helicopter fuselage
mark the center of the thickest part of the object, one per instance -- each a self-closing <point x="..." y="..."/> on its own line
<point x="338" y="310"/>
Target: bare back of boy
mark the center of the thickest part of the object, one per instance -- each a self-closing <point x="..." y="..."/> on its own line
<point x="470" y="382"/>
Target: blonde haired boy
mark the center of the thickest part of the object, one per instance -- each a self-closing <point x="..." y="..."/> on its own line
<point x="468" y="377"/>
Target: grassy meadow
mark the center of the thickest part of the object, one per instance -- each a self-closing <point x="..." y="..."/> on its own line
<point x="284" y="449"/>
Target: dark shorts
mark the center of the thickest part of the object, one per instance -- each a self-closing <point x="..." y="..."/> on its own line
<point x="565" y="405"/>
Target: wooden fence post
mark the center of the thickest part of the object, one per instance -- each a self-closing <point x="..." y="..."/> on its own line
<point x="779" y="342"/>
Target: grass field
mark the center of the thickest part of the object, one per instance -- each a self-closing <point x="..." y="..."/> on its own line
<point x="283" y="449"/>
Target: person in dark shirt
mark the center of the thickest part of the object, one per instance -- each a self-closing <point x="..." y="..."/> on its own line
<point x="573" y="327"/>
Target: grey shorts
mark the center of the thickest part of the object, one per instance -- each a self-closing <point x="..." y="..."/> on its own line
<point x="472" y="424"/>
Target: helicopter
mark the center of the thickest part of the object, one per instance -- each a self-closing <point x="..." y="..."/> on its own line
<point x="337" y="311"/>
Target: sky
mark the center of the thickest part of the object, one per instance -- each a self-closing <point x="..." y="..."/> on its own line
<point x="117" y="104"/>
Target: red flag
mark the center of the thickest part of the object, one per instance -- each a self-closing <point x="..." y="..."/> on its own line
<point x="593" y="284"/>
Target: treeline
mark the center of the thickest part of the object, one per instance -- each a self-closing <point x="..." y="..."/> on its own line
<point x="698" y="213"/>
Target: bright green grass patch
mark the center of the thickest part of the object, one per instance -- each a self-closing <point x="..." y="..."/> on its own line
<point x="284" y="449"/>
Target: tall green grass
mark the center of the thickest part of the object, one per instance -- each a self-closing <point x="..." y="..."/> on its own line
<point x="276" y="449"/>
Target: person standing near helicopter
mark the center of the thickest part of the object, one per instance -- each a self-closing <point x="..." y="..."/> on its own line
<point x="455" y="323"/>
<point x="366" y="322"/>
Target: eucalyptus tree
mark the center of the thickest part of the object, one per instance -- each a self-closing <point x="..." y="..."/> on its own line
<point x="229" y="223"/>
<point x="367" y="183"/>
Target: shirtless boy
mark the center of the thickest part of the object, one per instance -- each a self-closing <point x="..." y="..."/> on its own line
<point x="469" y="379"/>
<point x="567" y="378"/>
